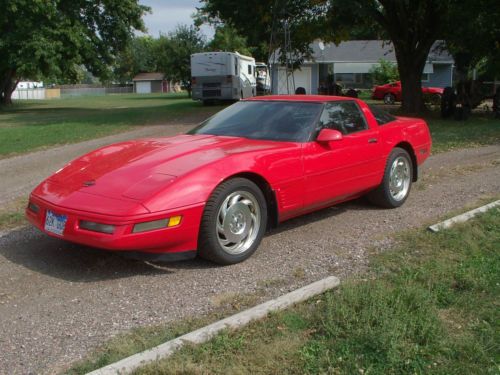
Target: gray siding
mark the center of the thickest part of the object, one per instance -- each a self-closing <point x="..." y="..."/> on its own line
<point x="441" y="76"/>
<point x="156" y="86"/>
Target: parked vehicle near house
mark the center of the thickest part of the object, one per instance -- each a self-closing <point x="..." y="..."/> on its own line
<point x="222" y="76"/>
<point x="263" y="79"/>
<point x="214" y="191"/>
<point x="391" y="93"/>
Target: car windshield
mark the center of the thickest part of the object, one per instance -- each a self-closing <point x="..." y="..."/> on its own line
<point x="267" y="120"/>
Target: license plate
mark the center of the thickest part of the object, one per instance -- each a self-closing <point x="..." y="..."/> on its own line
<point x="55" y="223"/>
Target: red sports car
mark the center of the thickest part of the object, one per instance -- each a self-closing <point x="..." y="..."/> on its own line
<point x="391" y="92"/>
<point x="215" y="190"/>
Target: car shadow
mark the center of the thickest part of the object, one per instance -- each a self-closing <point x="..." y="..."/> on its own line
<point x="360" y="204"/>
<point x="76" y="263"/>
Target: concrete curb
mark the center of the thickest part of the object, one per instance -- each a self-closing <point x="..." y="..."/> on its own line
<point x="204" y="334"/>
<point x="463" y="217"/>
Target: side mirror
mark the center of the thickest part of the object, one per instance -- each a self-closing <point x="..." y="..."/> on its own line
<point x="329" y="135"/>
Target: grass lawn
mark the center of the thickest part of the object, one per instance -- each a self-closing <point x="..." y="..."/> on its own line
<point x="30" y="125"/>
<point x="428" y="306"/>
<point x="478" y="130"/>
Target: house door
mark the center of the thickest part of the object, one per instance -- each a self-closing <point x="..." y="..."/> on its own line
<point x="143" y="87"/>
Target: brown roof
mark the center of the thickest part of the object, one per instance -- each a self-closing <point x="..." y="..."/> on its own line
<point x="149" y="77"/>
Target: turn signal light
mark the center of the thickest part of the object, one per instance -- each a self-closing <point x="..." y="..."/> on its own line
<point x="174" y="221"/>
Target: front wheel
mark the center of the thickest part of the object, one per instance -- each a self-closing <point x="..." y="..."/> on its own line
<point x="233" y="223"/>
<point x="396" y="185"/>
<point x="389" y="99"/>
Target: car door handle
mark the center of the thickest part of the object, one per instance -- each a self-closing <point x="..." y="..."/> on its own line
<point x="373" y="140"/>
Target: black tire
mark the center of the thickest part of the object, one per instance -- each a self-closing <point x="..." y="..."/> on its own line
<point x="352" y="93"/>
<point x="435" y="99"/>
<point x="382" y="195"/>
<point x="389" y="99"/>
<point x="210" y="237"/>
<point x="448" y="102"/>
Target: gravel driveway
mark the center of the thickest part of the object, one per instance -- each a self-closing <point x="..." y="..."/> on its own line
<point x="58" y="300"/>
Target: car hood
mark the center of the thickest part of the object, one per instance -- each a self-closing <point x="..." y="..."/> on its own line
<point x="139" y="169"/>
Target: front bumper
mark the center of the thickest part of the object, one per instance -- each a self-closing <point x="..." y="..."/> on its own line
<point x="180" y="238"/>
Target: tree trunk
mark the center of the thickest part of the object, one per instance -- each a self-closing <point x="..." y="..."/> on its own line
<point x="411" y="86"/>
<point x="7" y="86"/>
<point x="411" y="63"/>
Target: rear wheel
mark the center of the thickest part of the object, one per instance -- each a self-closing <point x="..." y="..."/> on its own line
<point x="389" y="99"/>
<point x="233" y="223"/>
<point x="396" y="185"/>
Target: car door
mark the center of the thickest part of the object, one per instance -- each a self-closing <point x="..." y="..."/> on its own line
<point x="340" y="169"/>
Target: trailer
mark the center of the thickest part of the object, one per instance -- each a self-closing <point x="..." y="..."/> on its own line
<point x="222" y="76"/>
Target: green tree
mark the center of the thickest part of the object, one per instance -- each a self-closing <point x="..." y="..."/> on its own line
<point x="473" y="38"/>
<point x="263" y="23"/>
<point x="140" y="55"/>
<point x="174" y="53"/>
<point x="227" y="39"/>
<point x="473" y="34"/>
<point x="52" y="38"/>
<point x="384" y="72"/>
<point x="412" y="26"/>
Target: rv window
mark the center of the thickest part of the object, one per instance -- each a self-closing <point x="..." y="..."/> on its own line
<point x="250" y="69"/>
<point x="235" y="67"/>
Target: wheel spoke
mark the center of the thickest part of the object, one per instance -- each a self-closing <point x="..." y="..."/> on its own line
<point x="234" y="200"/>
<point x="220" y="228"/>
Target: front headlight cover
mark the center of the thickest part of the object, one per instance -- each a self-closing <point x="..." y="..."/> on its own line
<point x="150" y="225"/>
<point x="97" y="227"/>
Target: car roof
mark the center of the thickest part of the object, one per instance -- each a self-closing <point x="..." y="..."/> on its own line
<point x="300" y="98"/>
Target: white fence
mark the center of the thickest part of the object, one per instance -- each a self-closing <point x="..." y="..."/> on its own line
<point x="28" y="94"/>
<point x="65" y="92"/>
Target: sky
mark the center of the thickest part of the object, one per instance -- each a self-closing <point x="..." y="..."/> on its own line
<point x="167" y="14"/>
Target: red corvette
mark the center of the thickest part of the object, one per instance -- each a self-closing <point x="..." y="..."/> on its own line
<point x="391" y="92"/>
<point x="215" y="190"/>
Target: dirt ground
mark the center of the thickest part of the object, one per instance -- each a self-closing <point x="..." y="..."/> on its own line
<point x="58" y="301"/>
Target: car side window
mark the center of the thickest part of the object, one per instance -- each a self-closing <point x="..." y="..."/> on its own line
<point x="381" y="116"/>
<point x="344" y="116"/>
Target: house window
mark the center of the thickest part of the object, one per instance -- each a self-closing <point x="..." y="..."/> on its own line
<point x="345" y="77"/>
<point x="425" y="77"/>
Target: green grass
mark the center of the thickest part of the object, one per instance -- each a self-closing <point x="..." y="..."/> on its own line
<point x="29" y="125"/>
<point x="10" y="220"/>
<point x="429" y="306"/>
<point x="478" y="130"/>
<point x="12" y="214"/>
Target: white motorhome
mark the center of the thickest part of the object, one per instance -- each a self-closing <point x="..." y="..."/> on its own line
<point x="222" y="76"/>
